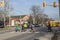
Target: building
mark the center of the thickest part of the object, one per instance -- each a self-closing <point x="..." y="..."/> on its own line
<point x="18" y="20"/>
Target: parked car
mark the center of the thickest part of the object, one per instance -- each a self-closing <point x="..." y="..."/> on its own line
<point x="1" y="24"/>
<point x="37" y="25"/>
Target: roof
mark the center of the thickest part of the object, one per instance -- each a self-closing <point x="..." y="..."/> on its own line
<point x="18" y="16"/>
<point x="15" y="19"/>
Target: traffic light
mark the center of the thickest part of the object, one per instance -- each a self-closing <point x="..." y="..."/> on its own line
<point x="2" y="3"/>
<point x="44" y="4"/>
<point x="54" y="4"/>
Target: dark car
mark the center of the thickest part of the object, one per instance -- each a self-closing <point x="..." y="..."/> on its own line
<point x="1" y="24"/>
<point x="37" y="25"/>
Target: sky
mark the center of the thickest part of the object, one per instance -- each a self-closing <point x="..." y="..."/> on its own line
<point x="22" y="7"/>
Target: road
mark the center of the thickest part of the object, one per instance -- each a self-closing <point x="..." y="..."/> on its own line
<point x="56" y="36"/>
<point x="40" y="33"/>
<point x="27" y="36"/>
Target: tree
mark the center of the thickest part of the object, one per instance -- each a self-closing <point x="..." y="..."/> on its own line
<point x="37" y="14"/>
<point x="30" y="19"/>
<point x="6" y="10"/>
<point x="36" y="11"/>
<point x="1" y="15"/>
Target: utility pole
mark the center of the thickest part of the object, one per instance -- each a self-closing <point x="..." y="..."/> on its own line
<point x="3" y="5"/>
<point x="9" y="11"/>
<point x="7" y="8"/>
<point x="59" y="9"/>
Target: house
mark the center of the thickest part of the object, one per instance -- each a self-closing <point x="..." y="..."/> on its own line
<point x="18" y="20"/>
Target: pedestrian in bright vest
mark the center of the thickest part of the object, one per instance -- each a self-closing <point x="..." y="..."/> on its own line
<point x="25" y="26"/>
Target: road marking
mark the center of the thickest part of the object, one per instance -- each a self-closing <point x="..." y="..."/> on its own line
<point x="24" y="32"/>
<point x="37" y="32"/>
<point x="30" y="32"/>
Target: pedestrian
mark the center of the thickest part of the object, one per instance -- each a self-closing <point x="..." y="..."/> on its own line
<point x="16" y="29"/>
<point x="49" y="28"/>
<point x="32" y="28"/>
<point x="25" y="26"/>
<point x="22" y="28"/>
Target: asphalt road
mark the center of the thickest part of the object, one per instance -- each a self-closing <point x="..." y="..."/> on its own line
<point x="39" y="32"/>
<point x="29" y="36"/>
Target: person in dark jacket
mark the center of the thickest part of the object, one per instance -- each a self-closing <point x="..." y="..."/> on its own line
<point x="49" y="28"/>
<point x="32" y="28"/>
<point x="22" y="28"/>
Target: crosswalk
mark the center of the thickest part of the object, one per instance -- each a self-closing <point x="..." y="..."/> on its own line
<point x="24" y="32"/>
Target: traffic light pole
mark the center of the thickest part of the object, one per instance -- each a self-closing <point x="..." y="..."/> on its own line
<point x="59" y="9"/>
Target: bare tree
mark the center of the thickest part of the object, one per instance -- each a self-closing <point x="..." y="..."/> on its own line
<point x="37" y="14"/>
<point x="36" y="11"/>
<point x="1" y="15"/>
<point x="30" y="19"/>
<point x="5" y="12"/>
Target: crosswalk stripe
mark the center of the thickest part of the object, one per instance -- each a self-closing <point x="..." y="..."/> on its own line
<point x="25" y="32"/>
